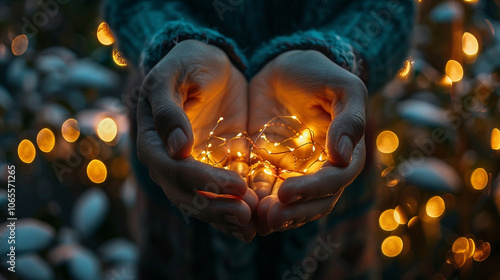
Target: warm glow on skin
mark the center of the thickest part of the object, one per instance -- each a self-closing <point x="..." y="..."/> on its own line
<point x="470" y="45"/>
<point x="70" y="130"/>
<point x="26" y="151"/>
<point x="19" y="44"/>
<point x="392" y="246"/>
<point x="118" y="58"/>
<point x="107" y="130"/>
<point x="479" y="179"/>
<point x="387" y="142"/>
<point x="104" y="34"/>
<point x="454" y="70"/>
<point x="97" y="171"/>
<point x="435" y="207"/>
<point x="45" y="140"/>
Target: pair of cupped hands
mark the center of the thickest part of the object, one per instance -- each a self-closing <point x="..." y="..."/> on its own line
<point x="195" y="84"/>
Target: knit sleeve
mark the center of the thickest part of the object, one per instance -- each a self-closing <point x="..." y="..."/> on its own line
<point x="147" y="30"/>
<point x="369" y="38"/>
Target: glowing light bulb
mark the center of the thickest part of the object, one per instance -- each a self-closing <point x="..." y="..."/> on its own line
<point x="294" y="117"/>
<point x="104" y="34"/>
<point x="435" y="207"/>
<point x="26" y="151"/>
<point x="479" y="179"/>
<point x="454" y="70"/>
<point x="118" y="58"/>
<point x="239" y="154"/>
<point x="387" y="221"/>
<point x="387" y="142"/>
<point x="392" y="246"/>
<point x="70" y="130"/>
<point x="107" y="130"/>
<point x="470" y="45"/>
<point x="97" y="171"/>
<point x="19" y="45"/>
<point x="45" y="140"/>
<point x="495" y="139"/>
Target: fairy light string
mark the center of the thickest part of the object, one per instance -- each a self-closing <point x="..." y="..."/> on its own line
<point x="280" y="137"/>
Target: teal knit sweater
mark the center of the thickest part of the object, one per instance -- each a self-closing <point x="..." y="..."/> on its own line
<point x="370" y="38"/>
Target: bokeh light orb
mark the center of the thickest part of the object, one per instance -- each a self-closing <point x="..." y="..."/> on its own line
<point x="495" y="139"/>
<point x="97" y="171"/>
<point x="470" y="45"/>
<point x="26" y="151"/>
<point x="104" y="34"/>
<point x="392" y="246"/>
<point x="479" y="179"/>
<point x="454" y="70"/>
<point x="45" y="140"/>
<point x="435" y="207"/>
<point x="70" y="130"/>
<point x="19" y="44"/>
<point x="107" y="130"/>
<point x="387" y="142"/>
<point x="118" y="58"/>
<point x="387" y="220"/>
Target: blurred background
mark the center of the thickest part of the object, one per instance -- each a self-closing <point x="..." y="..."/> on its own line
<point x="63" y="125"/>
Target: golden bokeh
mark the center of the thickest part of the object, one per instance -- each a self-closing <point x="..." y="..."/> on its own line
<point x="104" y="34"/>
<point x="387" y="142"/>
<point x="483" y="250"/>
<point x="107" y="130"/>
<point x="479" y="179"/>
<point x="400" y="215"/>
<point x="387" y="220"/>
<point x="454" y="70"/>
<point x="45" y="140"/>
<point x="471" y="249"/>
<point x="26" y="151"/>
<point x="70" y="130"/>
<point x="403" y="73"/>
<point x="495" y="139"/>
<point x="456" y="259"/>
<point x="435" y="207"/>
<point x="461" y="245"/>
<point x="118" y="58"/>
<point x="470" y="45"/>
<point x="392" y="246"/>
<point x="97" y="172"/>
<point x="19" y="44"/>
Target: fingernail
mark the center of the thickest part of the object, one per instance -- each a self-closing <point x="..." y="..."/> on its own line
<point x="237" y="235"/>
<point x="345" y="147"/>
<point x="176" y="140"/>
<point x="232" y="219"/>
<point x="295" y="198"/>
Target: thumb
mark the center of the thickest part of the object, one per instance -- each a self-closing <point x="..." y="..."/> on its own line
<point x="347" y="127"/>
<point x="171" y="122"/>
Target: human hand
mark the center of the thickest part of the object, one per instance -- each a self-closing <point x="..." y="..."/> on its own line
<point x="329" y="100"/>
<point x="181" y="99"/>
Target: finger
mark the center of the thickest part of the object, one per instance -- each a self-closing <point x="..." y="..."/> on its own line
<point x="286" y="216"/>
<point x="265" y="204"/>
<point x="348" y="124"/>
<point x="327" y="181"/>
<point x="186" y="173"/>
<point x="170" y="120"/>
<point x="251" y="199"/>
<point x="220" y="210"/>
<point x="244" y="233"/>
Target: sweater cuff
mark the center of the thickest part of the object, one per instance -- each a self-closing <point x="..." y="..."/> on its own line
<point x="336" y="48"/>
<point x="176" y="31"/>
